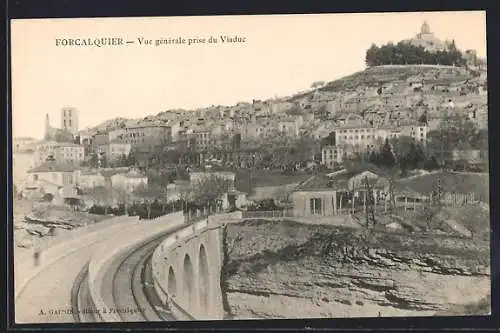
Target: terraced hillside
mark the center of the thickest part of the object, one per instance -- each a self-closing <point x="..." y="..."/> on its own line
<point x="374" y="76"/>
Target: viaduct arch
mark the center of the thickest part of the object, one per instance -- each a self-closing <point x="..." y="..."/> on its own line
<point x="187" y="266"/>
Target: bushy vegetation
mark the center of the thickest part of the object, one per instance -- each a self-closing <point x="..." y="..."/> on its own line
<point x="403" y="53"/>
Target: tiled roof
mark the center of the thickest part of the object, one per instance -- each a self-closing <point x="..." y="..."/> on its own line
<point x="316" y="183"/>
<point x="336" y="181"/>
<point x="90" y="173"/>
<point x="110" y="173"/>
<point x="54" y="167"/>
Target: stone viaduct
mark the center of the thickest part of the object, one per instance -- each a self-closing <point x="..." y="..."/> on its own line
<point x="186" y="269"/>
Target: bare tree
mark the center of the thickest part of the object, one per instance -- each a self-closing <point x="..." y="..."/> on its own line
<point x="101" y="195"/>
<point x="209" y="190"/>
<point x="433" y="205"/>
<point x="148" y="193"/>
<point x="122" y="196"/>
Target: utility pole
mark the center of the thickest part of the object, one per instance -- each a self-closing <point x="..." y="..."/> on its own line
<point x="392" y="199"/>
<point x="439" y="190"/>
<point x="370" y="202"/>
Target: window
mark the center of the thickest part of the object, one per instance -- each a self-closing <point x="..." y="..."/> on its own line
<point x="35" y="177"/>
<point x="69" y="122"/>
<point x="316" y="206"/>
<point x="69" y="114"/>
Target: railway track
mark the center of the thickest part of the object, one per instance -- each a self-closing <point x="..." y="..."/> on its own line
<point x="134" y="297"/>
<point x="81" y="301"/>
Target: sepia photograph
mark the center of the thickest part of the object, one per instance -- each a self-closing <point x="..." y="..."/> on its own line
<point x="250" y="167"/>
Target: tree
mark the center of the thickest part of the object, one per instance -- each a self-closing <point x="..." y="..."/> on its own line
<point x="416" y="156"/>
<point x="431" y="164"/>
<point x="453" y="130"/>
<point x="387" y="158"/>
<point x="317" y="84"/>
<point x="371" y="58"/>
<point x="103" y="160"/>
<point x="401" y="146"/>
<point x="148" y="193"/>
<point x="101" y="195"/>
<point x="329" y="140"/>
<point x="433" y="205"/>
<point x="209" y="190"/>
<point x="63" y="136"/>
<point x="423" y="118"/>
<point x="122" y="196"/>
<point x="159" y="182"/>
<point x="374" y="158"/>
<point x="121" y="161"/>
<point x="94" y="160"/>
<point x="73" y="202"/>
<point x="132" y="158"/>
<point x="406" y="54"/>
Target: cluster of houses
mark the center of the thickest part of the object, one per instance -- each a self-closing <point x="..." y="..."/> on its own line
<point x="59" y="182"/>
<point x="346" y="192"/>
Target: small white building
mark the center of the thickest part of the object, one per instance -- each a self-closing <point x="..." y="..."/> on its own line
<point x="129" y="181"/>
<point x="332" y="156"/>
<point x="117" y="149"/>
<point x="70" y="153"/>
<point x="91" y="179"/>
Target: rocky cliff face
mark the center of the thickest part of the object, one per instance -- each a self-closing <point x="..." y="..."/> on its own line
<point x="288" y="270"/>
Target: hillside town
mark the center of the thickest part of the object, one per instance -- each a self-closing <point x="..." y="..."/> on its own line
<point x="425" y="117"/>
<point x="363" y="196"/>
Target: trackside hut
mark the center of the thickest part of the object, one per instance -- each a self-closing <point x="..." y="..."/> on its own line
<point x="336" y="194"/>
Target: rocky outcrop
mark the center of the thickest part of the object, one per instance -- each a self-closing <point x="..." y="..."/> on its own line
<point x="333" y="267"/>
<point x="32" y="222"/>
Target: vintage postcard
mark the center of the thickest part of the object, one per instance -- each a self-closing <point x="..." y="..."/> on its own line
<point x="250" y="167"/>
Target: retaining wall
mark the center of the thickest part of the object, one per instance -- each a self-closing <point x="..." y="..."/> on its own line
<point x="123" y="242"/>
<point x="80" y="238"/>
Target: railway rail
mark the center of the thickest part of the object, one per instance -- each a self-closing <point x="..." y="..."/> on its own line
<point x="129" y="278"/>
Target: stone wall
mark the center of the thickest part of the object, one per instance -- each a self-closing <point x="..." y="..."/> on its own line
<point x="187" y="266"/>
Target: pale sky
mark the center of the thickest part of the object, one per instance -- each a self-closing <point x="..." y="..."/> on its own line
<point x="283" y="54"/>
